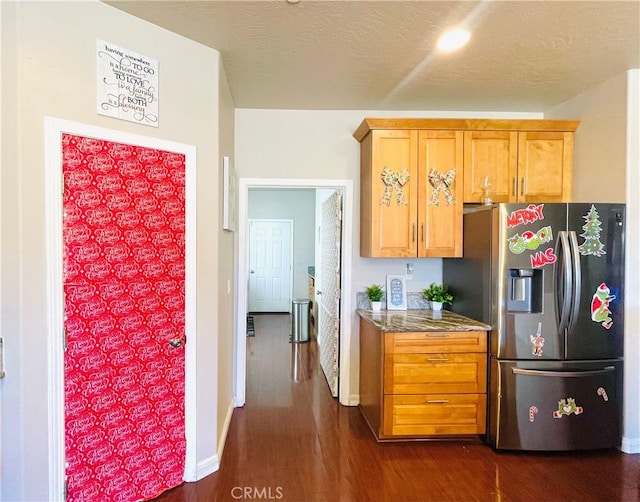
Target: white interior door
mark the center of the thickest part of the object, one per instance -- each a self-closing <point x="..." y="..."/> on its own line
<point x="270" y="265"/>
<point x="329" y="290"/>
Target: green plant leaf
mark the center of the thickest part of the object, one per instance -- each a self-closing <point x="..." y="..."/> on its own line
<point x="374" y="292"/>
<point x="437" y="293"/>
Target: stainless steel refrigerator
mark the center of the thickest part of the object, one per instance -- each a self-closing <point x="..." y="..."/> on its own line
<point x="549" y="279"/>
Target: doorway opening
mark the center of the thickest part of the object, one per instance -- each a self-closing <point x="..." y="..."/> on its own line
<point x="346" y="188"/>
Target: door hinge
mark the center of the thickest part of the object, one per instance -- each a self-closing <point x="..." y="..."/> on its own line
<point x="62" y="184"/>
<point x="64" y="337"/>
<point x="65" y="490"/>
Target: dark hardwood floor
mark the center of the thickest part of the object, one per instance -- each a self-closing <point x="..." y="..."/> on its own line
<point x="293" y="442"/>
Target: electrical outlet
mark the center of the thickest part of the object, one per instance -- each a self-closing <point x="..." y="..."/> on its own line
<point x="409" y="273"/>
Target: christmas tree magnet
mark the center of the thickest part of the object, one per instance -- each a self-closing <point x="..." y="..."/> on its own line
<point x="591" y="233"/>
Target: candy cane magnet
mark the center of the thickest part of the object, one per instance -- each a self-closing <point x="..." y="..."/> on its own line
<point x="603" y="393"/>
<point x="532" y="413"/>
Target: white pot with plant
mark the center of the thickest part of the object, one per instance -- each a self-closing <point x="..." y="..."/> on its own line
<point x="375" y="294"/>
<point x="437" y="294"/>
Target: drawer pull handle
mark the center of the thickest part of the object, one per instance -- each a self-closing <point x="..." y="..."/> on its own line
<point x="437" y="335"/>
<point x="436" y="401"/>
<point x="437" y="360"/>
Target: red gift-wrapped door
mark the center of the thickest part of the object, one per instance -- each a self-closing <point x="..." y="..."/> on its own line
<point x="124" y="286"/>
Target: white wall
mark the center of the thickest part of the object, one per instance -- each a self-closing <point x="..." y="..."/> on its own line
<point x="1" y="355"/>
<point x="606" y="164"/>
<point x="304" y="144"/>
<point x="49" y="69"/>
<point x="290" y="204"/>
<point x="227" y="284"/>
<point x="631" y="433"/>
<point x="600" y="142"/>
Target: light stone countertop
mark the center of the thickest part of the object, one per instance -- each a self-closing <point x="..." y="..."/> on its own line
<point x="420" y="320"/>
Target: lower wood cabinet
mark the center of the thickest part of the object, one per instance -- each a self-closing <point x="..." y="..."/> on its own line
<point x="434" y="414"/>
<point x="423" y="385"/>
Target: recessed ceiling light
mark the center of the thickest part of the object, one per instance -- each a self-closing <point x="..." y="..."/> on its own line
<point x="453" y="40"/>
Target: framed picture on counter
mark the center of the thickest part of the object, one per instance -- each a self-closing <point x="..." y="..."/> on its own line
<point x="396" y="292"/>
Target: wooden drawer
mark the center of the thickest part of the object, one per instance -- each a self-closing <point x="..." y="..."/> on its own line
<point x="429" y="373"/>
<point x="434" y="342"/>
<point x="434" y="414"/>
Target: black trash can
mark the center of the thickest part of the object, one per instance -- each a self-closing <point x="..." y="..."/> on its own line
<point x="300" y="320"/>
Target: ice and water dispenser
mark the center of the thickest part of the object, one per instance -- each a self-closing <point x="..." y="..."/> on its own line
<point x="525" y="287"/>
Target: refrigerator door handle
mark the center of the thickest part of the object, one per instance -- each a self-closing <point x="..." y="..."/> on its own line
<point x="564" y="267"/>
<point x="563" y="374"/>
<point x="577" y="281"/>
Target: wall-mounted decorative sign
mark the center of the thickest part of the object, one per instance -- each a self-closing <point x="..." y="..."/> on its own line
<point x="396" y="292"/>
<point x="127" y="84"/>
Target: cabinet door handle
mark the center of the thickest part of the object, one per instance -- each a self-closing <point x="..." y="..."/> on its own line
<point x="413" y="233"/>
<point x="524" y="185"/>
<point x="422" y="230"/>
<point x="515" y="186"/>
<point x="429" y="401"/>
<point x="437" y="360"/>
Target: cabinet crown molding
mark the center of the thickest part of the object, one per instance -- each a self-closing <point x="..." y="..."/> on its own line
<point x="369" y="124"/>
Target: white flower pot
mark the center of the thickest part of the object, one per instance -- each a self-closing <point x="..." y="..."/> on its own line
<point x="436" y="306"/>
<point x="376" y="306"/>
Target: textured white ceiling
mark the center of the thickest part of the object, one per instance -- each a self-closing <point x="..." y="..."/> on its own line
<point x="380" y="55"/>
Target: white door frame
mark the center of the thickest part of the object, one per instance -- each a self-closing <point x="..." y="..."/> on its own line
<point x="240" y="365"/>
<point x="55" y="298"/>
<point x="290" y="285"/>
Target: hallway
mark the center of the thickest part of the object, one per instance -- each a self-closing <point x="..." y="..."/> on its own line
<point x="293" y="442"/>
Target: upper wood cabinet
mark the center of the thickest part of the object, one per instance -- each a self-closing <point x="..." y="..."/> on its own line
<point x="492" y="155"/>
<point x="406" y="213"/>
<point x="521" y="166"/>
<point x="545" y="166"/>
<point x="440" y="157"/>
<point x="411" y="193"/>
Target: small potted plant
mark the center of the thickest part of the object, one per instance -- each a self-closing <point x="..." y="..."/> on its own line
<point x="375" y="293"/>
<point x="437" y="294"/>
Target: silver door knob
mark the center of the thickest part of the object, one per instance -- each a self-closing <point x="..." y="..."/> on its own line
<point x="318" y="292"/>
<point x="252" y="272"/>
<point x="176" y="343"/>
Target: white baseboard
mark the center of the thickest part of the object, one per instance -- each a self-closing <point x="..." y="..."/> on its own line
<point x="212" y="464"/>
<point x="630" y="445"/>
<point x="353" y="400"/>
<point x="207" y="466"/>
<point x="202" y="469"/>
<point x="225" y="429"/>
